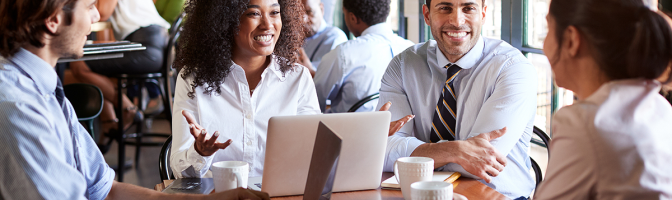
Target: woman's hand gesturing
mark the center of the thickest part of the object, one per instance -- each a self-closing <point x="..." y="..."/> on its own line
<point x="203" y="147"/>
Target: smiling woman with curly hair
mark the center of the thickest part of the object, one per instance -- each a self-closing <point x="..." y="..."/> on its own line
<point x="238" y="60"/>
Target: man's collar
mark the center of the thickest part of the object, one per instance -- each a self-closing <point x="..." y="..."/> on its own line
<point x="323" y="27"/>
<point x="468" y="60"/>
<point x="37" y="69"/>
<point x="380" y="28"/>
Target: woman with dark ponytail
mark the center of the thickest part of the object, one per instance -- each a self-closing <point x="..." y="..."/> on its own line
<point x="615" y="142"/>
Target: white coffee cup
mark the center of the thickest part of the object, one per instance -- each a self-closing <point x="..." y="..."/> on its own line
<point x="409" y="170"/>
<point x="431" y="190"/>
<point x="229" y="175"/>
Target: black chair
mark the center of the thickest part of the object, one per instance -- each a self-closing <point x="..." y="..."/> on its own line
<point x="87" y="100"/>
<point x="365" y="100"/>
<point x="545" y="139"/>
<point x="164" y="161"/>
<point x="162" y="79"/>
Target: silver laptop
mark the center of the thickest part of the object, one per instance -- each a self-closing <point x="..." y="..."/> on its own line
<point x="289" y="148"/>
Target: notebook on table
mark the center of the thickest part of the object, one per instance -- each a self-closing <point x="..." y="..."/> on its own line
<point x="191" y="186"/>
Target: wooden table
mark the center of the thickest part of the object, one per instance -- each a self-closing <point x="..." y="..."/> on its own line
<point x="468" y="187"/>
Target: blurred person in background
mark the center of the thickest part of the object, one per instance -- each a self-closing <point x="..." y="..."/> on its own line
<point x="353" y="70"/>
<point x="320" y="37"/>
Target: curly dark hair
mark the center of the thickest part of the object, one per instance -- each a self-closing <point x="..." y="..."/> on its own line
<point x="207" y="42"/>
<point x="370" y="12"/>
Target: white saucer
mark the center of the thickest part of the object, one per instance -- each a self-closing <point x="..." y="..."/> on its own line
<point x="457" y="196"/>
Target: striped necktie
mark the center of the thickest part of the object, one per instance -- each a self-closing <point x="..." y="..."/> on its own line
<point x="443" y="123"/>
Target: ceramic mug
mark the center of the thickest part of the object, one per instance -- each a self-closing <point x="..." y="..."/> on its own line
<point x="431" y="190"/>
<point x="229" y="175"/>
<point x="409" y="170"/>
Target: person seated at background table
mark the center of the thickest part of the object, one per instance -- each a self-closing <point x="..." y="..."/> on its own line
<point x="614" y="142"/>
<point x="47" y="154"/>
<point x="320" y="38"/>
<point x="477" y="94"/>
<point x="239" y="69"/>
<point x="135" y="21"/>
<point x="353" y="70"/>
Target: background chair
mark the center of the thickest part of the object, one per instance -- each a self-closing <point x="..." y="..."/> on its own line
<point x="545" y="140"/>
<point x="164" y="161"/>
<point x="87" y="100"/>
<point x="163" y="80"/>
<point x="365" y="100"/>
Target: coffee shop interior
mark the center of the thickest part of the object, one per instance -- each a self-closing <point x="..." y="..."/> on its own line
<point x="133" y="130"/>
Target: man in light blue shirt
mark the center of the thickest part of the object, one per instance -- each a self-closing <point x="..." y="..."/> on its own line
<point x="322" y="37"/>
<point x="46" y="153"/>
<point x="353" y="70"/>
<point x="491" y="86"/>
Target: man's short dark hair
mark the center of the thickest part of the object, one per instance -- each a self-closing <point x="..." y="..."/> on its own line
<point x="23" y="22"/>
<point x="370" y="11"/>
<point x="429" y="2"/>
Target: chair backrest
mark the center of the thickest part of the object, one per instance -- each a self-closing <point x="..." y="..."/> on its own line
<point x="545" y="139"/>
<point x="86" y="99"/>
<point x="177" y="23"/>
<point x="168" y="58"/>
<point x="365" y="100"/>
<point x="164" y="160"/>
<point x="171" y="48"/>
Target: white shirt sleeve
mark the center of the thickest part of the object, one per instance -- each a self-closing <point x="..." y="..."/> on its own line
<point x="571" y="172"/>
<point x="308" y="102"/>
<point x="184" y="160"/>
<point x="402" y="143"/>
<point x="511" y="105"/>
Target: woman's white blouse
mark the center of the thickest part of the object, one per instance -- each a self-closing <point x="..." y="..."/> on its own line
<point x="615" y="144"/>
<point x="237" y="116"/>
